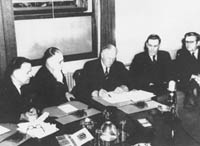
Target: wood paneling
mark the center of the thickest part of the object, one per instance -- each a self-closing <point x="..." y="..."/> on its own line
<point x="7" y="34"/>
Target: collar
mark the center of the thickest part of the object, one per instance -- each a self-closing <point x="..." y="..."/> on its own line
<point x="156" y="57"/>
<point x="104" y="67"/>
<point x="195" y="53"/>
<point x="16" y="84"/>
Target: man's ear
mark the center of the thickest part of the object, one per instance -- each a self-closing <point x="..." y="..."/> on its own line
<point x="198" y="44"/>
<point x="101" y="55"/>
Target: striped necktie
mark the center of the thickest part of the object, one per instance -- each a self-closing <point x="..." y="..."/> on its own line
<point x="106" y="73"/>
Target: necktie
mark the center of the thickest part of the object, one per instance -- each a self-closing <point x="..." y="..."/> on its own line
<point x="154" y="58"/>
<point x="106" y="73"/>
<point x="193" y="55"/>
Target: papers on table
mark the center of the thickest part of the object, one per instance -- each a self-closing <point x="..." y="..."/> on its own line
<point x="3" y="130"/>
<point x="77" y="139"/>
<point x="38" y="130"/>
<point x="67" y="108"/>
<point x="144" y="122"/>
<point x="134" y="96"/>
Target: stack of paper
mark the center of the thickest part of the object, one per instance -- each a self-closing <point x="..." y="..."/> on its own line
<point x="134" y="96"/>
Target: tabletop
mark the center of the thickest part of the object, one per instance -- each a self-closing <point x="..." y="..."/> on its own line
<point x="160" y="133"/>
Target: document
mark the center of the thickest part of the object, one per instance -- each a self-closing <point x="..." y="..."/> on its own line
<point x="67" y="108"/>
<point x="134" y="96"/>
<point x="3" y="130"/>
<point x="144" y="122"/>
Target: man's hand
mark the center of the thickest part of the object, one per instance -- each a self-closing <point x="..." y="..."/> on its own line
<point x="69" y="96"/>
<point x="196" y="78"/>
<point x="103" y="93"/>
<point x="121" y="89"/>
<point x="30" y="115"/>
<point x="95" y="93"/>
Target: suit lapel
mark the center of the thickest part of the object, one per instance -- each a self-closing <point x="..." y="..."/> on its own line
<point x="198" y="55"/>
<point x="148" y="58"/>
<point x="100" y="71"/>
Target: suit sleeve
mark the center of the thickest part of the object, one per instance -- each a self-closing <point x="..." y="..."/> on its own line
<point x="135" y="71"/>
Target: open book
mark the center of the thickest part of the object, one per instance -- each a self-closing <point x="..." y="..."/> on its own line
<point x="77" y="139"/>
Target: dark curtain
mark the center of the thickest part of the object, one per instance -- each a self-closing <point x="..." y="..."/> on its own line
<point x="107" y="22"/>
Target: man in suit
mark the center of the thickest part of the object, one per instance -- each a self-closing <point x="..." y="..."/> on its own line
<point x="188" y="59"/>
<point x="13" y="105"/>
<point x="149" y="70"/>
<point x="102" y="75"/>
<point x="49" y="84"/>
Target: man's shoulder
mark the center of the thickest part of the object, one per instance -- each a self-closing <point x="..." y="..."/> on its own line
<point x="42" y="70"/>
<point x="92" y="62"/>
<point x="163" y="53"/>
<point x="141" y="55"/>
<point x="119" y="63"/>
<point x="182" y="52"/>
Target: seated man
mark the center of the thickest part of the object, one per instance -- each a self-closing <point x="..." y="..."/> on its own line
<point x="13" y="105"/>
<point x="102" y="75"/>
<point x="188" y="59"/>
<point x="149" y="70"/>
<point x="49" y="84"/>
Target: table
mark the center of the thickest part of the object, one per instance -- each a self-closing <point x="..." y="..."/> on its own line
<point x="162" y="124"/>
<point x="15" y="140"/>
<point x="159" y="134"/>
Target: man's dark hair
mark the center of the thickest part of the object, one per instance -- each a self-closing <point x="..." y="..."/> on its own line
<point x="188" y="34"/>
<point x="151" y="37"/>
<point x="15" y="64"/>
<point x="48" y="53"/>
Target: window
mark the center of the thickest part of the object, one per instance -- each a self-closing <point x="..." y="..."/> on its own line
<point x="66" y="24"/>
<point x="42" y="7"/>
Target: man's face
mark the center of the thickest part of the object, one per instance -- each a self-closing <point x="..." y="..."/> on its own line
<point x="191" y="43"/>
<point x="56" y="61"/>
<point x="153" y="46"/>
<point x="23" y="74"/>
<point x="108" y="56"/>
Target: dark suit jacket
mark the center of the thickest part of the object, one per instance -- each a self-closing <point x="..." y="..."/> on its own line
<point x="93" y="78"/>
<point x="143" y="71"/>
<point x="48" y="91"/>
<point x="12" y="104"/>
<point x="186" y="65"/>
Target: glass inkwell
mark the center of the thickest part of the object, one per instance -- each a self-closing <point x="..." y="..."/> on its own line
<point x="87" y="122"/>
<point x="108" y="133"/>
